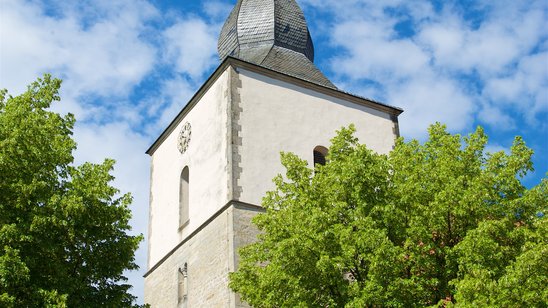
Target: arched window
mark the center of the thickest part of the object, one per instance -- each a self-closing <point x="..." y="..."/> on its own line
<point x="183" y="198"/>
<point x="320" y="153"/>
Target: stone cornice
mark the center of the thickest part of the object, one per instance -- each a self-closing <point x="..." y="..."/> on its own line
<point x="232" y="203"/>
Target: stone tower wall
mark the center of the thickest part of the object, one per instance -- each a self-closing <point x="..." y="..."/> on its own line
<point x="209" y="174"/>
<point x="275" y="116"/>
<point x="209" y="256"/>
<point x="241" y="120"/>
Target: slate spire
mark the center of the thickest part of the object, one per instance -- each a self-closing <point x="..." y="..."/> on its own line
<point x="273" y="34"/>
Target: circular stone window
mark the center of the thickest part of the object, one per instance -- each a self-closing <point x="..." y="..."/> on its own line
<point x="184" y="138"/>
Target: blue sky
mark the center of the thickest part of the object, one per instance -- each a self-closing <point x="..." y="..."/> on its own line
<point x="129" y="66"/>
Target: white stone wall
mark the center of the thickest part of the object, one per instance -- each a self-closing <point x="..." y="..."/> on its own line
<point x="208" y="164"/>
<point x="207" y="256"/>
<point x="277" y="116"/>
<point x="245" y="233"/>
<point x="210" y="256"/>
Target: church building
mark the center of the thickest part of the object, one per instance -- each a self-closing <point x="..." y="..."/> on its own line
<point x="213" y="164"/>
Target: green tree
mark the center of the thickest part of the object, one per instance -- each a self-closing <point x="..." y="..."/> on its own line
<point x="63" y="240"/>
<point x="436" y="224"/>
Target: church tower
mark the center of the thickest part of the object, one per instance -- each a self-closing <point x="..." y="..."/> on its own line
<point x="216" y="160"/>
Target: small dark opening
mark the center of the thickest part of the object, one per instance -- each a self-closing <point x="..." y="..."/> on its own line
<point x="319" y="158"/>
<point x="183" y="198"/>
<point x="319" y="155"/>
<point x="286" y="29"/>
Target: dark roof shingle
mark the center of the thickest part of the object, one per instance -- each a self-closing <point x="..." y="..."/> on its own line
<point x="273" y="34"/>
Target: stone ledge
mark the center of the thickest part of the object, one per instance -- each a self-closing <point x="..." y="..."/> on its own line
<point x="235" y="203"/>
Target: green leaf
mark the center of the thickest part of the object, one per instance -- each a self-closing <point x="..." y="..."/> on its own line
<point x="58" y="222"/>
<point x="440" y="223"/>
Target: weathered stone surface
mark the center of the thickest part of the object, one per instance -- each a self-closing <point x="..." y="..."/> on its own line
<point x="207" y="257"/>
<point x="210" y="255"/>
<point x="245" y="233"/>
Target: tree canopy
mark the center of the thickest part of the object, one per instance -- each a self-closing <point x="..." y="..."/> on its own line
<point x="63" y="228"/>
<point x="442" y="223"/>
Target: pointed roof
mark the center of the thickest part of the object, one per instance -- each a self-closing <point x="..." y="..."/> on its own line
<point x="273" y="34"/>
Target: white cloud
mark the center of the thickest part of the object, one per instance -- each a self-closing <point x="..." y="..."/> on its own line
<point x="489" y="49"/>
<point x="404" y="72"/>
<point x="218" y="10"/>
<point x="191" y="45"/>
<point x="495" y="116"/>
<point x="177" y="94"/>
<point x="450" y="68"/>
<point x="525" y="88"/>
<point x="372" y="55"/>
<point x="431" y="99"/>
<point x="105" y="57"/>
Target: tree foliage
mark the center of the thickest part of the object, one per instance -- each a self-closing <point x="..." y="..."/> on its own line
<point x="436" y="224"/>
<point x="63" y="238"/>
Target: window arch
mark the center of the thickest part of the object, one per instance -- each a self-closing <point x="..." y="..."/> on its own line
<point x="183" y="197"/>
<point x="320" y="152"/>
